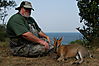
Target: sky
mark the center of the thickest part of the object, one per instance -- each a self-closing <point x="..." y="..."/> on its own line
<point x="54" y="15"/>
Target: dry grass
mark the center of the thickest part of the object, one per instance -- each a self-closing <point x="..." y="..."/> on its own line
<point x="6" y="59"/>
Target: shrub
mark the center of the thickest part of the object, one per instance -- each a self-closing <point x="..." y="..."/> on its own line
<point x="3" y="34"/>
<point x="82" y="42"/>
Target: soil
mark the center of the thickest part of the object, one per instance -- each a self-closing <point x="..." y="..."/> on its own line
<point x="6" y="59"/>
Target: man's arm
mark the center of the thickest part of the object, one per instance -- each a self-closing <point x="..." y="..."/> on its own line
<point x="42" y="34"/>
<point x="33" y="38"/>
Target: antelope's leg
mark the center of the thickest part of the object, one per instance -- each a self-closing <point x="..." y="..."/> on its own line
<point x="77" y="57"/>
<point x="81" y="57"/>
<point x="61" y="58"/>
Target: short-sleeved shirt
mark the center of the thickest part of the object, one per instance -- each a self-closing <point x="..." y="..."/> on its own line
<point x="18" y="25"/>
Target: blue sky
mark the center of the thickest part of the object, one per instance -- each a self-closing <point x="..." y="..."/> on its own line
<point x="54" y="15"/>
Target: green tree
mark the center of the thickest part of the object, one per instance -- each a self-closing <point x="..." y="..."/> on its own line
<point x="5" y="5"/>
<point x="89" y="16"/>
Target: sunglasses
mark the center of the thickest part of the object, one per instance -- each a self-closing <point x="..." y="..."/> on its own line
<point x="28" y="9"/>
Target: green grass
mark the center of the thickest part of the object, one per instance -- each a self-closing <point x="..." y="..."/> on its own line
<point x="4" y="43"/>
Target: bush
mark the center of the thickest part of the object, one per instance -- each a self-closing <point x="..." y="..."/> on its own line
<point x="5" y="43"/>
<point x="82" y="42"/>
<point x="3" y="34"/>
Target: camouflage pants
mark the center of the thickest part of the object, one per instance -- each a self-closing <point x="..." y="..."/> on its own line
<point x="23" y="48"/>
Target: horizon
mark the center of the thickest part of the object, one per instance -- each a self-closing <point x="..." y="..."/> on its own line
<point x="62" y="32"/>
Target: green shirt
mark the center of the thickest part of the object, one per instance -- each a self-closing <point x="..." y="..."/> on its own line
<point x="18" y="25"/>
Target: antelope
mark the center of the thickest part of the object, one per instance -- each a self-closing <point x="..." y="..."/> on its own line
<point x="70" y="50"/>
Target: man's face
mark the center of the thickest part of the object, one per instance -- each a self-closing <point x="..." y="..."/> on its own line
<point x="27" y="12"/>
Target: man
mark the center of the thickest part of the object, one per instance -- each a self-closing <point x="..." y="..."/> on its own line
<point x="26" y="38"/>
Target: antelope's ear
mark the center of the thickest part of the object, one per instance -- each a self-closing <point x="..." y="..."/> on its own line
<point x="61" y="39"/>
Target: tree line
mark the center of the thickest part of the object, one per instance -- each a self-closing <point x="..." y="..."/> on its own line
<point x="89" y="17"/>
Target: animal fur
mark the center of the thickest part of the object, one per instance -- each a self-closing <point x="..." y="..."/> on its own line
<point x="71" y="50"/>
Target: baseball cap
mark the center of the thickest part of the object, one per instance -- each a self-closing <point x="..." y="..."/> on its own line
<point x="25" y="4"/>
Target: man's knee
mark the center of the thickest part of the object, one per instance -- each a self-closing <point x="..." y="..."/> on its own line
<point x="30" y="50"/>
<point x="37" y="50"/>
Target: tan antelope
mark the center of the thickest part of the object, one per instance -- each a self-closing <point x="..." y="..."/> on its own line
<point x="71" y="50"/>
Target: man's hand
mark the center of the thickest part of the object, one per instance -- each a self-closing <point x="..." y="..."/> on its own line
<point x="31" y="37"/>
<point x="48" y="39"/>
<point x="42" y="34"/>
<point x="45" y="44"/>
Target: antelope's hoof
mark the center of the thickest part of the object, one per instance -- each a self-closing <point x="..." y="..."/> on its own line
<point x="60" y="59"/>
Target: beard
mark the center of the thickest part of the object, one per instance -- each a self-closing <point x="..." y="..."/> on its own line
<point x="26" y="14"/>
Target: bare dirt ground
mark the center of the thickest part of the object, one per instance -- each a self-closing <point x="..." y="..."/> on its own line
<point x="6" y="59"/>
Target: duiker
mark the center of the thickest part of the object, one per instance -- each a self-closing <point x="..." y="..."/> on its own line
<point x="71" y="50"/>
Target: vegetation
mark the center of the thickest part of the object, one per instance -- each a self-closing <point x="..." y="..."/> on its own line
<point x="5" y="43"/>
<point x="3" y="34"/>
<point x="5" y="5"/>
<point x="82" y="42"/>
<point x="89" y="17"/>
